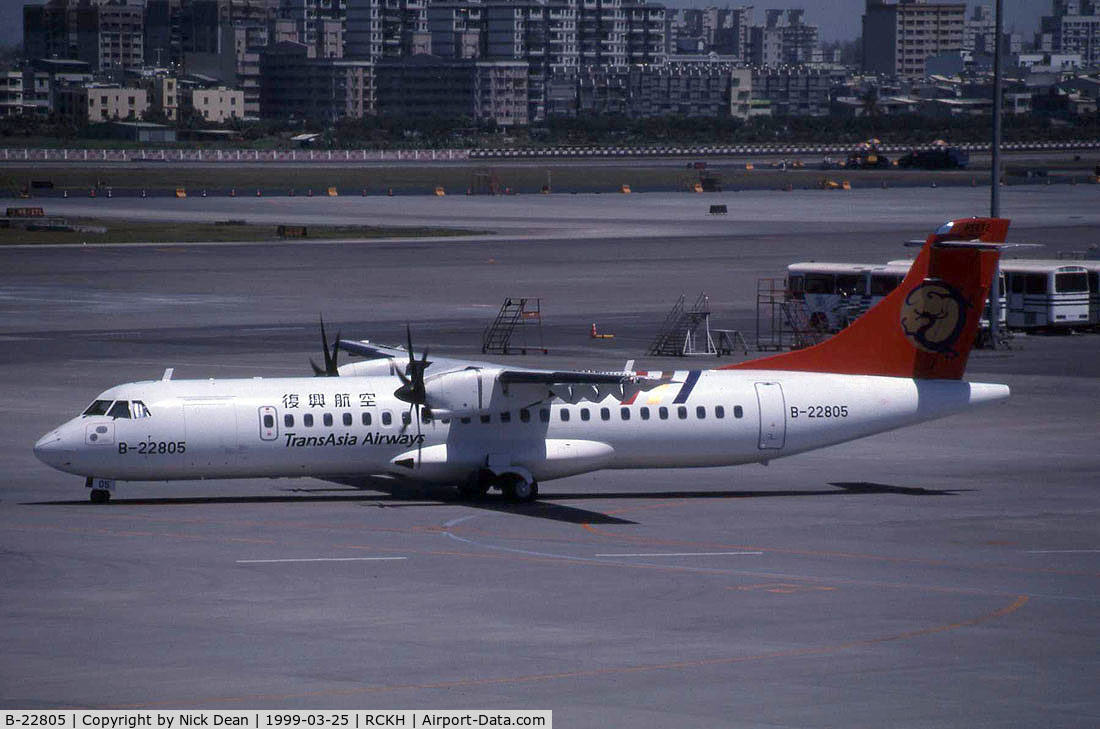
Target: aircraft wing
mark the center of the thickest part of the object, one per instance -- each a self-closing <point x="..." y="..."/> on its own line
<point x="450" y="381"/>
<point x="369" y="350"/>
<point x="555" y="377"/>
<point x="575" y="386"/>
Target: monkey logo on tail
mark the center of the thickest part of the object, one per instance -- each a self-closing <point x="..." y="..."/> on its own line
<point x="933" y="316"/>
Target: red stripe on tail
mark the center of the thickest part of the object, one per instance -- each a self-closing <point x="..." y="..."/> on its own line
<point x="923" y="329"/>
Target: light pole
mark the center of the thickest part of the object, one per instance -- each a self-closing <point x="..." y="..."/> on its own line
<point x="995" y="173"/>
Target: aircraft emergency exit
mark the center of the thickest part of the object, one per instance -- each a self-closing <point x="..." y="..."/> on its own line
<point x="480" y="425"/>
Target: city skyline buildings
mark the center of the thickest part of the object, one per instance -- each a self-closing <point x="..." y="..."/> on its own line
<point x="838" y="20"/>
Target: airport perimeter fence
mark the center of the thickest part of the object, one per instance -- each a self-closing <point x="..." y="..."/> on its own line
<point x="764" y="149"/>
<point x="350" y="156"/>
<point x="233" y="155"/>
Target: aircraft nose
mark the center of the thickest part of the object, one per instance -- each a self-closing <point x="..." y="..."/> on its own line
<point x="50" y="448"/>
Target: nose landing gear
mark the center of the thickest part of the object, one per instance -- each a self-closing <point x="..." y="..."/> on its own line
<point x="98" y="495"/>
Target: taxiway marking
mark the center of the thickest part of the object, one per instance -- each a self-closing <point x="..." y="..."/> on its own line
<point x="678" y="554"/>
<point x="319" y="559"/>
<point x="1062" y="551"/>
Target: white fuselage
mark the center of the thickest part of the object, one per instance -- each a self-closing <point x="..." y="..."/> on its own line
<point x="195" y="429"/>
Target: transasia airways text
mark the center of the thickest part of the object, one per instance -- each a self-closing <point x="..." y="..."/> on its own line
<point x="293" y="440"/>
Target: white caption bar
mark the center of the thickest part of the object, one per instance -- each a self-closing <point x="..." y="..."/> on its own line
<point x="408" y="718"/>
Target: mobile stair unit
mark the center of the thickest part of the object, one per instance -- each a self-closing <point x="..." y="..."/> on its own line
<point x="518" y="315"/>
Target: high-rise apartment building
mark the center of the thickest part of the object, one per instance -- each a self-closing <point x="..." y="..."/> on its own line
<point x="900" y="35"/>
<point x="456" y="27"/>
<point x="783" y="39"/>
<point x="376" y="29"/>
<point x="1073" y="27"/>
<point x="111" y="34"/>
<point x="106" y="34"/>
<point x="979" y="29"/>
<point x="295" y="84"/>
<point x="50" y="30"/>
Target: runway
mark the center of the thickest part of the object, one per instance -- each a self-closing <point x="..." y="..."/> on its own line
<point x="942" y="575"/>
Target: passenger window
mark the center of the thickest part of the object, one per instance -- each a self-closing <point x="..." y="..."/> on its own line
<point x="737" y="411"/>
<point x="137" y="407"/>
<point x="425" y="416"/>
<point x="347" y="419"/>
<point x="544" y="415"/>
<point x="486" y="418"/>
<point x="387" y="418"/>
<point x="564" y="415"/>
<point x="525" y="416"/>
<point x="644" y="412"/>
<point x="700" y="412"/>
<point x="269" y="420"/>
<point x="625" y="413"/>
<point x="506" y="417"/>
<point x="819" y="283"/>
<point x="288" y="420"/>
<point x="605" y="414"/>
<point x="662" y="413"/>
<point x="465" y="421"/>
<point x="847" y="284"/>
<point x="120" y="409"/>
<point x="406" y="418"/>
<point x="99" y="407"/>
<point x="584" y="414"/>
<point x="307" y="420"/>
<point x="327" y="420"/>
<point x="682" y="412"/>
<point x="366" y="418"/>
<point x="794" y="285"/>
<point x="719" y="412"/>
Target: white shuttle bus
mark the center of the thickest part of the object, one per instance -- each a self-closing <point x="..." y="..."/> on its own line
<point x="1094" y="292"/>
<point x="1047" y="294"/>
<point x="836" y="293"/>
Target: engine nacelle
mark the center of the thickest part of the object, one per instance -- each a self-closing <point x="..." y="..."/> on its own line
<point x="380" y="367"/>
<point x="458" y="393"/>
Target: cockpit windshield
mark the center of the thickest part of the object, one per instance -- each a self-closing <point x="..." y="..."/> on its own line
<point x="99" y="407"/>
<point x="118" y="409"/>
<point x="121" y="409"/>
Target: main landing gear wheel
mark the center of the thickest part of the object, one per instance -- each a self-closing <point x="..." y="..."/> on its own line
<point x="475" y="486"/>
<point x="517" y="488"/>
<point x="473" y="490"/>
<point x="99" y="496"/>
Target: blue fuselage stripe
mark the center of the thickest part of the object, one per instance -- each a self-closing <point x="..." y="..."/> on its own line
<point x="688" y="386"/>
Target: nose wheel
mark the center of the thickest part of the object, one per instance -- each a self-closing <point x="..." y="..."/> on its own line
<point x="98" y="496"/>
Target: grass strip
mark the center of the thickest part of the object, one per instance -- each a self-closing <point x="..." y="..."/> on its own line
<point x="135" y="231"/>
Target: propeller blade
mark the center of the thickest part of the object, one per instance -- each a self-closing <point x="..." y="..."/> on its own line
<point x="331" y="366"/>
<point x="412" y="379"/>
<point x="419" y="438"/>
<point x="334" y="368"/>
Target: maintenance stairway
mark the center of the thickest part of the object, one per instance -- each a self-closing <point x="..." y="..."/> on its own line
<point x="520" y="313"/>
<point x="676" y="337"/>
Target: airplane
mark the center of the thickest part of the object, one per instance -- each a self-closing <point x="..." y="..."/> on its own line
<point x="481" y="426"/>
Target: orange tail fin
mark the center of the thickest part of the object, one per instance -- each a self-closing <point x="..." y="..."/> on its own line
<point x="923" y="329"/>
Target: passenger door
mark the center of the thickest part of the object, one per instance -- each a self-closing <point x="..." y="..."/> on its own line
<point x="773" y="415"/>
